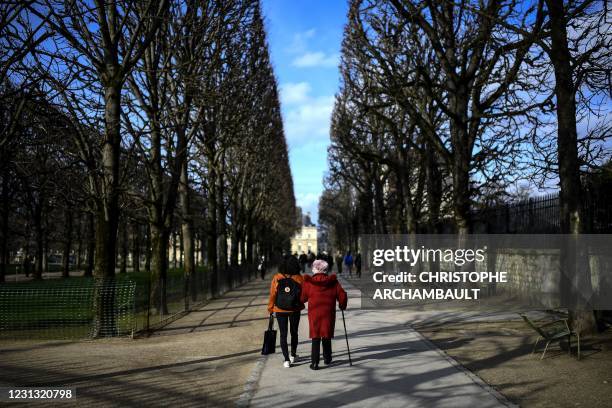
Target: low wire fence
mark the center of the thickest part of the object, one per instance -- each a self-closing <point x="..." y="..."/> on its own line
<point x="85" y="308"/>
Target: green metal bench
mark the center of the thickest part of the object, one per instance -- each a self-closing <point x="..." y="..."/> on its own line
<point x="553" y="331"/>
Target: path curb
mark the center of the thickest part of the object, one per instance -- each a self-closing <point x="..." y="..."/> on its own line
<point x="251" y="385"/>
<point x="476" y="379"/>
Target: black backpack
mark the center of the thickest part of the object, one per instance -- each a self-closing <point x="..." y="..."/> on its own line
<point x="288" y="294"/>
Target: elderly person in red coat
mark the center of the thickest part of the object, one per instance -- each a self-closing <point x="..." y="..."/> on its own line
<point x="322" y="291"/>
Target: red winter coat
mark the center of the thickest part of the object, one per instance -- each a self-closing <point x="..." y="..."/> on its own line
<point x="321" y="292"/>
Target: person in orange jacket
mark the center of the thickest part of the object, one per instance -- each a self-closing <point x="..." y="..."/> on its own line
<point x="289" y="281"/>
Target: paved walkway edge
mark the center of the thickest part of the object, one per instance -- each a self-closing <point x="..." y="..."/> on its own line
<point x="251" y="385"/>
<point x="476" y="379"/>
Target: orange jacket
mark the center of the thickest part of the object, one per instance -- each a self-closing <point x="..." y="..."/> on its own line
<point x="273" y="287"/>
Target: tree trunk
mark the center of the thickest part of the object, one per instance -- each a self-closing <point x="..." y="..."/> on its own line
<point x="567" y="135"/>
<point x="434" y="189"/>
<point x="243" y="256"/>
<point x="222" y="230"/>
<point x="4" y="258"/>
<point x="174" y="249"/>
<point x="108" y="205"/>
<point x="124" y="248"/>
<point x="45" y="246"/>
<point x="136" y="247"/>
<point x="79" y="237"/>
<point x="249" y="243"/>
<point x="147" y="264"/>
<point x="187" y="231"/>
<point x="67" y="243"/>
<point x="582" y="317"/>
<point x="40" y="243"/>
<point x="397" y="203"/>
<point x="211" y="246"/>
<point x="234" y="241"/>
<point x="411" y="222"/>
<point x="104" y="265"/>
<point x="381" y="219"/>
<point x="91" y="243"/>
<point x="160" y="238"/>
<point x="461" y="190"/>
<point x="26" y="256"/>
<point x="461" y="157"/>
<point x="202" y="237"/>
<point x="180" y="245"/>
<point x="197" y="248"/>
<point x="107" y="217"/>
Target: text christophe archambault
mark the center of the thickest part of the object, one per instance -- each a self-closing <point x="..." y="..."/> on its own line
<point x="426" y="282"/>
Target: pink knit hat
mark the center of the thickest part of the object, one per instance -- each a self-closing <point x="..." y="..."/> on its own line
<point x="319" y="266"/>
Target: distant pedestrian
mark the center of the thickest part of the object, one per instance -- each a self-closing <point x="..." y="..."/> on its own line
<point x="262" y="267"/>
<point x="330" y="261"/>
<point x="339" y="262"/>
<point x="285" y="303"/>
<point x="348" y="262"/>
<point x="27" y="262"/>
<point x="303" y="260"/>
<point x="358" y="264"/>
<point x="310" y="259"/>
<point x="322" y="291"/>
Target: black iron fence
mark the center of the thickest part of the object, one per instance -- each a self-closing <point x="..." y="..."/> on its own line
<point x="541" y="215"/>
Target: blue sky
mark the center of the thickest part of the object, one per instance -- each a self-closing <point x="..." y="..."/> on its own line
<point x="305" y="39"/>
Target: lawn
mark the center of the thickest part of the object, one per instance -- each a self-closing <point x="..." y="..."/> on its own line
<point x="64" y="308"/>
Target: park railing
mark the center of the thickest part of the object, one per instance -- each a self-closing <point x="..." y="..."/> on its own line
<point x="541" y="215"/>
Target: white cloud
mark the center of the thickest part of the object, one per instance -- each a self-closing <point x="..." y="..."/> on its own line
<point x="309" y="202"/>
<point x="316" y="59"/>
<point x="300" y="40"/>
<point x="306" y="117"/>
<point x="309" y="120"/>
<point x="297" y="92"/>
<point x="309" y="33"/>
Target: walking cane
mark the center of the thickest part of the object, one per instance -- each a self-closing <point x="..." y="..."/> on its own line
<point x="346" y="337"/>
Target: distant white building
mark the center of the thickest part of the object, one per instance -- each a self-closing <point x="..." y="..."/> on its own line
<point x="305" y="239"/>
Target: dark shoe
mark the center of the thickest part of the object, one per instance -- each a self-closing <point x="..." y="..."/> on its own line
<point x="314" y="367"/>
<point x="327" y="362"/>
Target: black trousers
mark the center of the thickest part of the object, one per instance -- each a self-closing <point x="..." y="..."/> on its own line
<point x="288" y="322"/>
<point x="316" y="349"/>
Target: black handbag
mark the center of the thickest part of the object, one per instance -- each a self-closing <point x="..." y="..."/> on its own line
<point x="269" y="344"/>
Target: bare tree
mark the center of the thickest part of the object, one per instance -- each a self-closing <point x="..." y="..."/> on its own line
<point x="105" y="57"/>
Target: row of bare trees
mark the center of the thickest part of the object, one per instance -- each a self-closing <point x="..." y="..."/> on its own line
<point x="138" y="122"/>
<point x="447" y="106"/>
